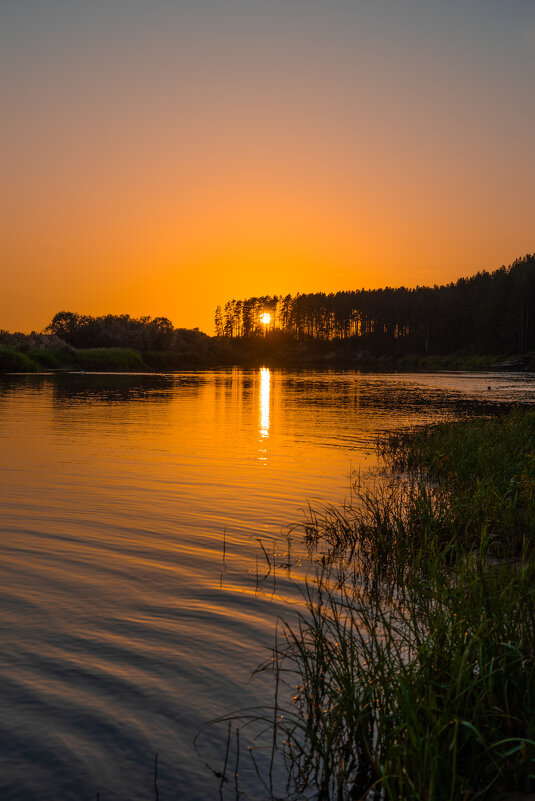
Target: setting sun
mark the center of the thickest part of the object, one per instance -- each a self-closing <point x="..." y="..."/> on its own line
<point x="267" y="318"/>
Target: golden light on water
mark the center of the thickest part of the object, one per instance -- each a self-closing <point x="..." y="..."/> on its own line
<point x="265" y="388"/>
<point x="265" y="319"/>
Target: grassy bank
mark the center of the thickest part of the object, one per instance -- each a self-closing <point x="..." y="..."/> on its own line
<point x="90" y="359"/>
<point x="44" y="359"/>
<point x="274" y="351"/>
<point x="412" y="668"/>
<point x="32" y="360"/>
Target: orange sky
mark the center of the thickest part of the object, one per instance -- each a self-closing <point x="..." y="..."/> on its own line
<point x="163" y="158"/>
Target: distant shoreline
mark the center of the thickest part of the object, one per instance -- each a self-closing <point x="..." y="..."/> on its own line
<point x="249" y="354"/>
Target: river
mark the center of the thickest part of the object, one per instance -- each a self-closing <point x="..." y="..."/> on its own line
<point x="136" y="599"/>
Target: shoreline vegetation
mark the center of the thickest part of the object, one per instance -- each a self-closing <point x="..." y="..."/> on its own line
<point x="484" y="322"/>
<point x="56" y="357"/>
<point x="412" y="666"/>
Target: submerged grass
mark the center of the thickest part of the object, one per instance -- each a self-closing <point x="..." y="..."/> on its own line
<point x="412" y="667"/>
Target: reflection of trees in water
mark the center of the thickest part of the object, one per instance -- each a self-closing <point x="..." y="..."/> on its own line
<point x="240" y="387"/>
<point x="236" y="389"/>
<point x="317" y="392"/>
<point x="121" y="388"/>
<point x="11" y="383"/>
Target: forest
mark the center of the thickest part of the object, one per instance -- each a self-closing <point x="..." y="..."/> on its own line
<point x="469" y="324"/>
<point x="490" y="312"/>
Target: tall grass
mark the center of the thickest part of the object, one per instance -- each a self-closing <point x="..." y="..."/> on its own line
<point x="411" y="671"/>
<point x="486" y="470"/>
<point x="120" y="359"/>
<point x="52" y="358"/>
<point x="108" y="359"/>
<point x="429" y="695"/>
<point x="13" y="361"/>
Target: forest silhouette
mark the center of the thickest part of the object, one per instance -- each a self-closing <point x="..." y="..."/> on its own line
<point x="491" y="312"/>
<point x="488" y="316"/>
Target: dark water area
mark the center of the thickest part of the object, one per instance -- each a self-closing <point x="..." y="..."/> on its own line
<point x="135" y="600"/>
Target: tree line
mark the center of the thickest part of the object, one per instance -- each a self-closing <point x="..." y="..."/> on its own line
<point x="122" y="331"/>
<point x="490" y="312"/>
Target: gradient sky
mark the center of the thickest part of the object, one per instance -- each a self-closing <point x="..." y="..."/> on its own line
<point x="162" y="157"/>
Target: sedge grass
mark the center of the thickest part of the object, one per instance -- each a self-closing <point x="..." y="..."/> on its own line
<point x="13" y="361"/>
<point x="108" y="359"/>
<point x="410" y="674"/>
<point x="486" y="469"/>
<point x="427" y="696"/>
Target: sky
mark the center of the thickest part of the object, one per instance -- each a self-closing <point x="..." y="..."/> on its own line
<point x="162" y="157"/>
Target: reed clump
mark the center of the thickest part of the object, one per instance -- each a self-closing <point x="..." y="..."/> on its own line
<point x="486" y="470"/>
<point x="13" y="361"/>
<point x="108" y="359"/>
<point x="412" y="667"/>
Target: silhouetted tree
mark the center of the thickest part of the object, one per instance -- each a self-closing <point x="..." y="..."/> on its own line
<point x="487" y="313"/>
<point x="113" y="330"/>
<point x="218" y="322"/>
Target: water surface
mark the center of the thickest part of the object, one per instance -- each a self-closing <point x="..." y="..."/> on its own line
<point x="133" y="588"/>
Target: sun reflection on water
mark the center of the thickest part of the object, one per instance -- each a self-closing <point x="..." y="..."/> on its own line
<point x="265" y="382"/>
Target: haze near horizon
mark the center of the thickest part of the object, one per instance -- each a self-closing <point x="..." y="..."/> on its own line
<point x="163" y="158"/>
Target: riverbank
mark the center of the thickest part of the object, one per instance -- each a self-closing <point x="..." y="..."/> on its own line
<point x="13" y="360"/>
<point x="412" y="669"/>
<point x="252" y="354"/>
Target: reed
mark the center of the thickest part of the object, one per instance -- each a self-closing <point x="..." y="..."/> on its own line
<point x="485" y="468"/>
<point x="52" y="358"/>
<point x="99" y="359"/>
<point x="411" y="671"/>
<point x="108" y="359"/>
<point x="429" y="695"/>
<point x="13" y="361"/>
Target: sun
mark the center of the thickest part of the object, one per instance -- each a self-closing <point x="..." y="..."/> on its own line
<point x="265" y="318"/>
